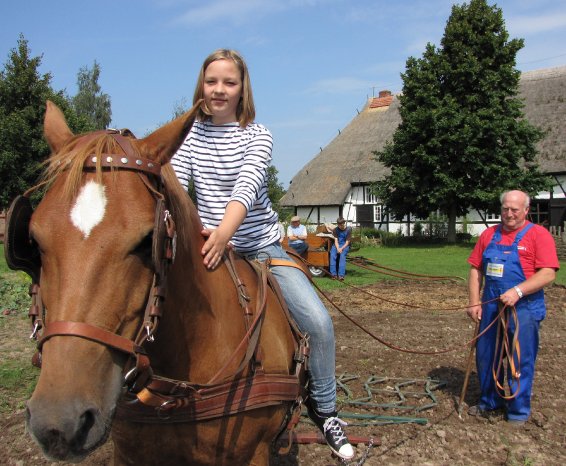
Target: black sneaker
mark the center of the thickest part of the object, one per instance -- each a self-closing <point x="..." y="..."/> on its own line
<point x="331" y="427"/>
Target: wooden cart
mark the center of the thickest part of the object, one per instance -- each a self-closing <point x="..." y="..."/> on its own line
<point x="317" y="255"/>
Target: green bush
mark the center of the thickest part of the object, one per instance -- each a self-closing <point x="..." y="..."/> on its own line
<point x="14" y="292"/>
<point x="463" y="237"/>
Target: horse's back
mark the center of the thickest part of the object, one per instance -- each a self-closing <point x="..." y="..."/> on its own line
<point x="242" y="438"/>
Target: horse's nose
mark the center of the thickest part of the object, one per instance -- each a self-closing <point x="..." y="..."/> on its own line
<point x="63" y="434"/>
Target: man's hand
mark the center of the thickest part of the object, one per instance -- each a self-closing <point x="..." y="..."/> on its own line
<point x="474" y="312"/>
<point x="510" y="297"/>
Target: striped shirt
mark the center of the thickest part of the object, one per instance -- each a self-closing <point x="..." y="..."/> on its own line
<point x="229" y="163"/>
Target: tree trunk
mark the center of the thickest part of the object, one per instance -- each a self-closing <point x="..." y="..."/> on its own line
<point x="451" y="236"/>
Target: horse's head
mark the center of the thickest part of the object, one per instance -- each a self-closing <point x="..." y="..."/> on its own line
<point x="94" y="229"/>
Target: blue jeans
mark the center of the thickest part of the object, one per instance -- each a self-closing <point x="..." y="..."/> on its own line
<point x="341" y="261"/>
<point x="300" y="247"/>
<point x="312" y="318"/>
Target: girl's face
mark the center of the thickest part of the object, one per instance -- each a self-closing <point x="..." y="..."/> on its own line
<point x="222" y="90"/>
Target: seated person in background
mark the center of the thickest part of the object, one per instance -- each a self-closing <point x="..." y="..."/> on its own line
<point x="342" y="239"/>
<point x="297" y="235"/>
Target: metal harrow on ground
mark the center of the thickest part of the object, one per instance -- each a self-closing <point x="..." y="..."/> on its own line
<point x="398" y="394"/>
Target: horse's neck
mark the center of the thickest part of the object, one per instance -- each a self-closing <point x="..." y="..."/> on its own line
<point x="196" y="315"/>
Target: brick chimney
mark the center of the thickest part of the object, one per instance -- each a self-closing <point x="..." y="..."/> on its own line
<point x="383" y="101"/>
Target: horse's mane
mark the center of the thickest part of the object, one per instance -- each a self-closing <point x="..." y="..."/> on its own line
<point x="182" y="207"/>
<point x="71" y="158"/>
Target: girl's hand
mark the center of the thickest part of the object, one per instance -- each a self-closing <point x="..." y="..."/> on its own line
<point x="214" y="248"/>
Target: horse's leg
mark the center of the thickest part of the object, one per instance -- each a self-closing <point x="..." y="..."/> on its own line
<point x="261" y="455"/>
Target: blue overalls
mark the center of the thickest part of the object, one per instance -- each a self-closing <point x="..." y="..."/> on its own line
<point x="502" y="270"/>
<point x="342" y="236"/>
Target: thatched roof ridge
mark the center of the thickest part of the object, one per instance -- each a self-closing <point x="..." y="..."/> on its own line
<point x="349" y="159"/>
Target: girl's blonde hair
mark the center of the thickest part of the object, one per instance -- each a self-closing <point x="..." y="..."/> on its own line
<point x="245" y="112"/>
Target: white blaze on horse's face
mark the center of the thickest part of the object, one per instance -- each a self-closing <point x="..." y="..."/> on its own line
<point x="89" y="207"/>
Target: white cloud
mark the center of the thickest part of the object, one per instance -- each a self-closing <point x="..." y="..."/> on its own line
<point x="232" y="11"/>
<point x="240" y="11"/>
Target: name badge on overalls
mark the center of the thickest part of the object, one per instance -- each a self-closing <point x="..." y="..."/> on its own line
<point x="494" y="270"/>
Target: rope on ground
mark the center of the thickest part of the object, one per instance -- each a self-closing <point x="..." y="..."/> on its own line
<point x="372" y="266"/>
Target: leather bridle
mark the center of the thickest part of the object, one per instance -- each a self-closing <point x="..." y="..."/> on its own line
<point x="163" y="250"/>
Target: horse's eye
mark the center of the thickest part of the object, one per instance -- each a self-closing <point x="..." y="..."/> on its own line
<point x="144" y="247"/>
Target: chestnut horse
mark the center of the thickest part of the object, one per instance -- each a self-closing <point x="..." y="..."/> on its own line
<point x="95" y="230"/>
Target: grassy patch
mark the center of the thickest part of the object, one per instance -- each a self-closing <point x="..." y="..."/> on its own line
<point x="17" y="381"/>
<point x="14" y="292"/>
<point x="424" y="259"/>
<point x="3" y="266"/>
<point x="439" y="259"/>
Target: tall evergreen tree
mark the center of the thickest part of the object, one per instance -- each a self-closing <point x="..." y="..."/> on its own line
<point x="23" y="93"/>
<point x="463" y="138"/>
<point x="90" y="102"/>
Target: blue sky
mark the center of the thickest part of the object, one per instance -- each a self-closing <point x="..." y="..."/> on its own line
<point x="313" y="63"/>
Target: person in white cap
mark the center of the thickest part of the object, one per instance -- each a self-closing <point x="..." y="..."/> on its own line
<point x="297" y="235"/>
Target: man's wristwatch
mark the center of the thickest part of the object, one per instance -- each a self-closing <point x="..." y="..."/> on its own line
<point x="519" y="292"/>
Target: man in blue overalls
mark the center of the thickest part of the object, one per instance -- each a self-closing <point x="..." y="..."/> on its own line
<point x="342" y="239"/>
<point x="513" y="261"/>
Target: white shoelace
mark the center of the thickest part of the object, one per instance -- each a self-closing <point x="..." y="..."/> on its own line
<point x="334" y="425"/>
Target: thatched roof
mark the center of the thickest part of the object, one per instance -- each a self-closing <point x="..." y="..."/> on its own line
<point x="544" y="93"/>
<point x="349" y="159"/>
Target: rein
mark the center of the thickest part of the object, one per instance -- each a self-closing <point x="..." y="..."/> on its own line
<point x="509" y="351"/>
<point x="169" y="400"/>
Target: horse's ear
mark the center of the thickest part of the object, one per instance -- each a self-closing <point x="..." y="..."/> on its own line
<point x="162" y="144"/>
<point x="55" y="128"/>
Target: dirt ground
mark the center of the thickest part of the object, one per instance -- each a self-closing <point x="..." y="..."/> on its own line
<point x="424" y="427"/>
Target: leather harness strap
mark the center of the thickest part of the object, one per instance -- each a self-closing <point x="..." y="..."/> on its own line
<point x="252" y="335"/>
<point x="192" y="403"/>
<point x="124" y="162"/>
<point x="285" y="263"/>
<point x="97" y="334"/>
<point x="168" y="400"/>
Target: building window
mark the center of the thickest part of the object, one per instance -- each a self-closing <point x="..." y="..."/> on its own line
<point x="493" y="217"/>
<point x="370" y="197"/>
<point x="377" y="212"/>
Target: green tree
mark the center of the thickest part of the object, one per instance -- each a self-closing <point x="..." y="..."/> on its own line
<point x="23" y="93"/>
<point x="275" y="190"/>
<point x="180" y="107"/>
<point x="463" y="138"/>
<point x="90" y="102"/>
